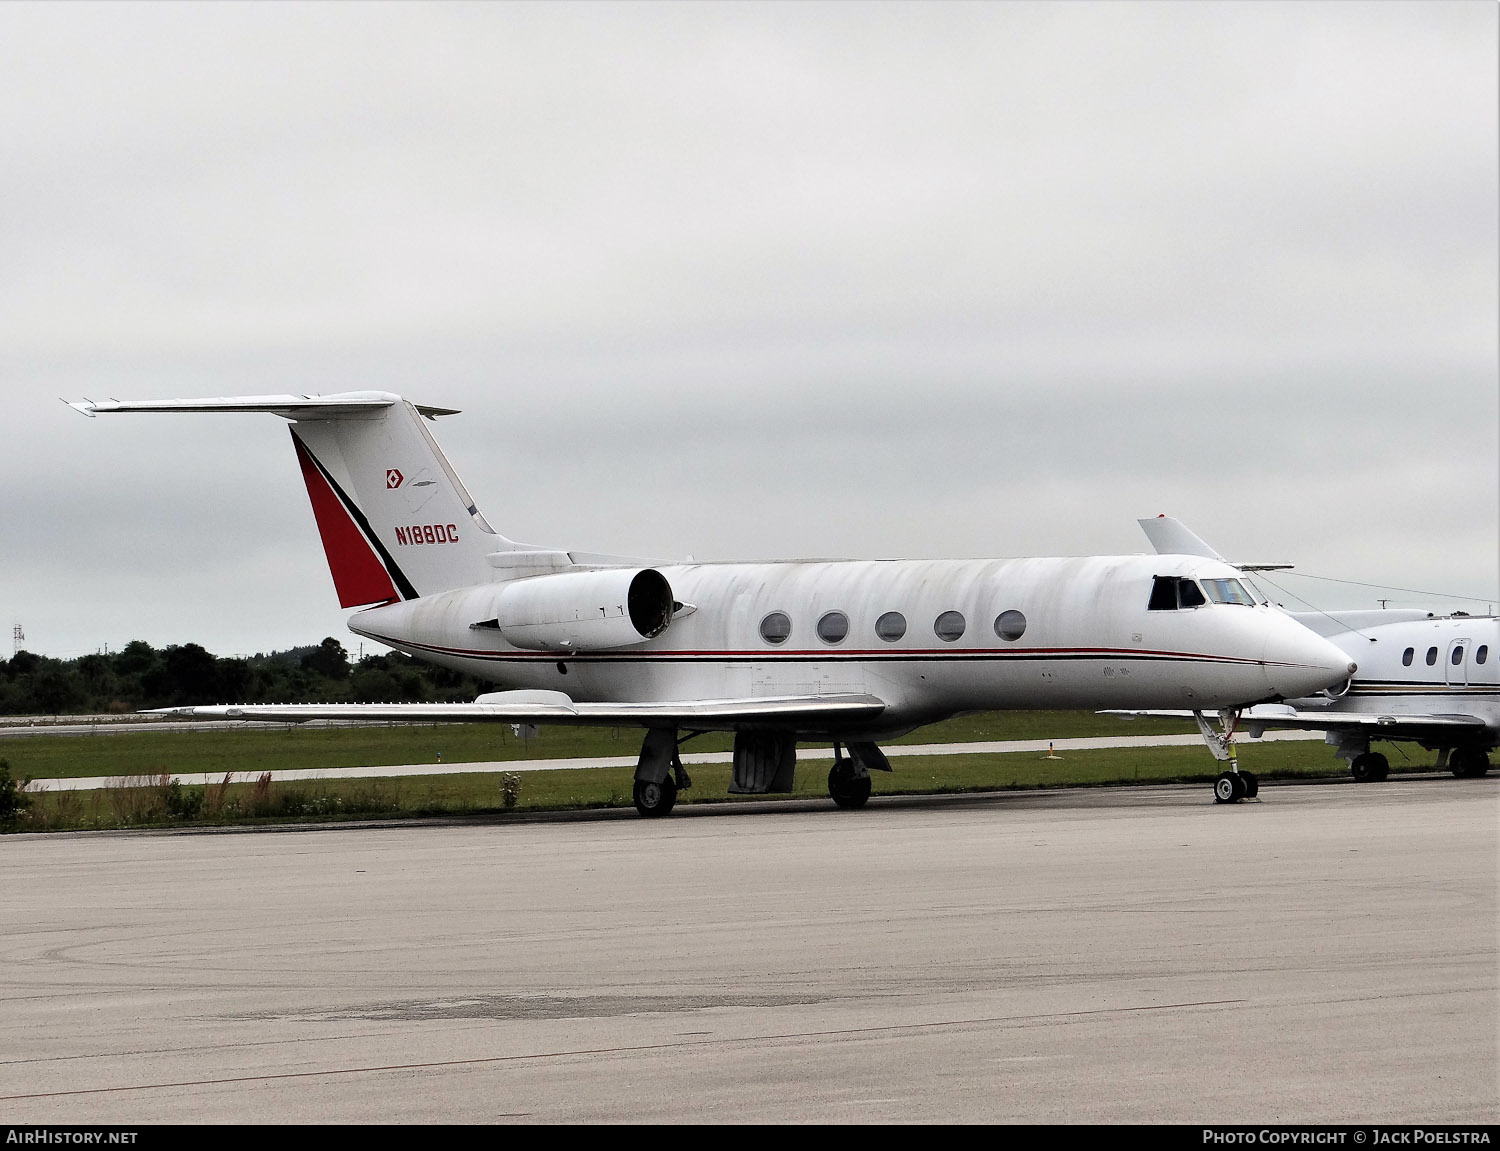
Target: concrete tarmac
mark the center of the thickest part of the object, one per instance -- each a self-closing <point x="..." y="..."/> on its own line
<point x="1327" y="954"/>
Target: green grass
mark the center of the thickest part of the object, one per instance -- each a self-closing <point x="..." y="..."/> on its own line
<point x="135" y="753"/>
<point x="148" y="802"/>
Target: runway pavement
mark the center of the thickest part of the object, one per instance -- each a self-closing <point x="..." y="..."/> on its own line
<point x="894" y="751"/>
<point x="1327" y="954"/>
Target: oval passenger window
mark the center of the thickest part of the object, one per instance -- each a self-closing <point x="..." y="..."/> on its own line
<point x="1010" y="625"/>
<point x="833" y="627"/>
<point x="948" y="626"/>
<point x="776" y="627"/>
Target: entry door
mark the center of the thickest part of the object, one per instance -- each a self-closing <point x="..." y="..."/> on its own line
<point x="1458" y="663"/>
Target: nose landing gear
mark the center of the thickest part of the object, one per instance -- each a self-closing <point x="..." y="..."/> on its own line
<point x="1232" y="785"/>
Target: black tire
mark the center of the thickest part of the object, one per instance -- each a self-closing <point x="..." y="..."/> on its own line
<point x="1252" y="784"/>
<point x="1380" y="767"/>
<point x="846" y="789"/>
<point x="1229" y="787"/>
<point x="1369" y="767"/>
<point x="654" y="800"/>
<point x="1469" y="762"/>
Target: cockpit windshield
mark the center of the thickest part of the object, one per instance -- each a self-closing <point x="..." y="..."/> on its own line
<point x="1228" y="591"/>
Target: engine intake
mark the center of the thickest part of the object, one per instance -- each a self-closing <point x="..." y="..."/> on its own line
<point x="585" y="611"/>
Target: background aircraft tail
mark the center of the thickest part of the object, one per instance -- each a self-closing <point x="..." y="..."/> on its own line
<point x="396" y="521"/>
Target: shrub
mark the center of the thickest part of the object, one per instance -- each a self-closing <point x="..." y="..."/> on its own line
<point x="13" y="799"/>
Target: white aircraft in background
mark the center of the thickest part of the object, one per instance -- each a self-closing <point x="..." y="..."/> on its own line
<point x="1423" y="678"/>
<point x="844" y="651"/>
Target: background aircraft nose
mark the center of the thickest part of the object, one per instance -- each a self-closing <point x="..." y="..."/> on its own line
<point x="1299" y="662"/>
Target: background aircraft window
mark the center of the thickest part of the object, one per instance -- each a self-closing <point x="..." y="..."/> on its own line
<point x="1190" y="594"/>
<point x="1458" y="655"/>
<point x="1482" y="654"/>
<point x="1010" y="624"/>
<point x="891" y="626"/>
<point x="1431" y="656"/>
<point x="833" y="627"/>
<point x="948" y="626"/>
<point x="1406" y="657"/>
<point x="776" y="627"/>
<point x="1227" y="591"/>
<point x="1163" y="594"/>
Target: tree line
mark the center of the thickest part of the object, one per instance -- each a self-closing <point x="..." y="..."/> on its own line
<point x="139" y="676"/>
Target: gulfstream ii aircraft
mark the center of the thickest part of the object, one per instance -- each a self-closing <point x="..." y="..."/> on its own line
<point x="849" y="652"/>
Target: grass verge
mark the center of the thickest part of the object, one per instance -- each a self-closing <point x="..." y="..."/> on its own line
<point x="154" y="800"/>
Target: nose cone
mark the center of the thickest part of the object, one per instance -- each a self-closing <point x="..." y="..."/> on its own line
<point x="1299" y="662"/>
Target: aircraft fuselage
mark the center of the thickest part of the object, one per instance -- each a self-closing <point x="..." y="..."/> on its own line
<point x="931" y="638"/>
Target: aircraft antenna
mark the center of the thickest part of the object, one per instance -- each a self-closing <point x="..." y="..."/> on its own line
<point x="1315" y="607"/>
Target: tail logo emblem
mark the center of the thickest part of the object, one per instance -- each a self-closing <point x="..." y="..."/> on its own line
<point x="393" y="479"/>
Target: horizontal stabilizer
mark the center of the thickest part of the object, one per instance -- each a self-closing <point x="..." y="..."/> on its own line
<point x="291" y="407"/>
<point x="557" y="708"/>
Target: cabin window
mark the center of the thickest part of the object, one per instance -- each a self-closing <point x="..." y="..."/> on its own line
<point x="833" y="627"/>
<point x="1228" y="591"/>
<point x="1190" y="594"/>
<point x="948" y="626"/>
<point x="1406" y="657"/>
<point x="1482" y="654"/>
<point x="1010" y="625"/>
<point x="891" y="626"/>
<point x="1458" y="655"/>
<point x="776" y="627"/>
<point x="1431" y="656"/>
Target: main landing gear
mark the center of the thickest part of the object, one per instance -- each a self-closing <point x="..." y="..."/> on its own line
<point x="849" y="780"/>
<point x="1468" y="762"/>
<point x="659" y="774"/>
<point x="1369" y="767"/>
<point x="764" y="762"/>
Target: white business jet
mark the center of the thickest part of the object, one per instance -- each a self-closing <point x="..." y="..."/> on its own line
<point x="848" y="652"/>
<point x="1423" y="678"/>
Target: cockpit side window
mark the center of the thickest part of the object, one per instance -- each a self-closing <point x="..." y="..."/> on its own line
<point x="1168" y="593"/>
<point x="1163" y="594"/>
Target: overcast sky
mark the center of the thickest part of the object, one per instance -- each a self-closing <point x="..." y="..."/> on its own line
<point x="749" y="281"/>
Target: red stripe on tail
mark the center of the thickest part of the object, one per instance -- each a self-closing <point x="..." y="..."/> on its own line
<point x="358" y="575"/>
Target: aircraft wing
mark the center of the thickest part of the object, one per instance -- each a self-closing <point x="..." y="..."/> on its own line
<point x="555" y="707"/>
<point x="1261" y="716"/>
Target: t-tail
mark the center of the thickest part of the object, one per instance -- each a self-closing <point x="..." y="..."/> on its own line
<point x="396" y="521"/>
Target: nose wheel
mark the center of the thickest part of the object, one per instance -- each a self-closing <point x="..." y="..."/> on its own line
<point x="1233" y="786"/>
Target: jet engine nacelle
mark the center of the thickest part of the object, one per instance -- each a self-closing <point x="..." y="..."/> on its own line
<point x="584" y="611"/>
